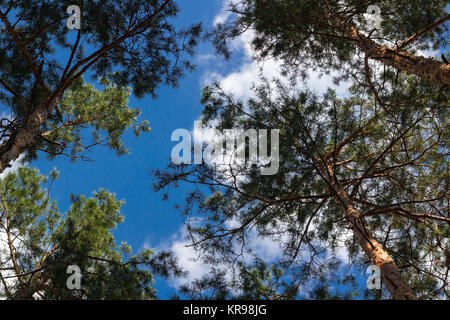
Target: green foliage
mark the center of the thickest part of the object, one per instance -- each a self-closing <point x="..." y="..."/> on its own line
<point x="254" y="282"/>
<point x="83" y="106"/>
<point x="302" y="35"/>
<point x="134" y="44"/>
<point x="44" y="242"/>
<point x="263" y="282"/>
<point x="145" y="62"/>
<point x="389" y="160"/>
<point x="385" y="145"/>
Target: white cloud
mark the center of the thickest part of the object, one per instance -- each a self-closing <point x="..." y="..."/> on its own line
<point x="247" y="74"/>
<point x="224" y="14"/>
<point x="191" y="261"/>
<point x="16" y="164"/>
<point x="428" y="53"/>
<point x="187" y="257"/>
<point x="267" y="249"/>
<point x="239" y="82"/>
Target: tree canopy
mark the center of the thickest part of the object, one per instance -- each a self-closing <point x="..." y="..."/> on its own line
<point x="363" y="175"/>
<point x="39" y="243"/>
<point x="334" y="35"/>
<point x="130" y="43"/>
<point x="124" y="47"/>
<point x="368" y="172"/>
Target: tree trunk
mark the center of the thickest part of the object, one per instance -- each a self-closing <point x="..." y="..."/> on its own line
<point x="25" y="135"/>
<point x="27" y="292"/>
<point x="426" y="68"/>
<point x="390" y="275"/>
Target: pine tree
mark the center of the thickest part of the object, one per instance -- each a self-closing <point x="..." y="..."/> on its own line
<point x="327" y="34"/>
<point x="128" y="43"/>
<point x="125" y="47"/>
<point x="39" y="243"/>
<point x="255" y="282"/>
<point x="369" y="171"/>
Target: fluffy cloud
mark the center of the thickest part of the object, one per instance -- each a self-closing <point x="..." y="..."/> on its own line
<point x="239" y="81"/>
<point x="188" y="258"/>
<point x="191" y="261"/>
<point x="224" y="13"/>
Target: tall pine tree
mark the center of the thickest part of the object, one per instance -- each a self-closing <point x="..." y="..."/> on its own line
<point x="369" y="171"/>
<point x="39" y="243"/>
<point x="128" y="43"/>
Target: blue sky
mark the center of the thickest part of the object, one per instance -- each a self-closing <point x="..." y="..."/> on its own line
<point x="150" y="221"/>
